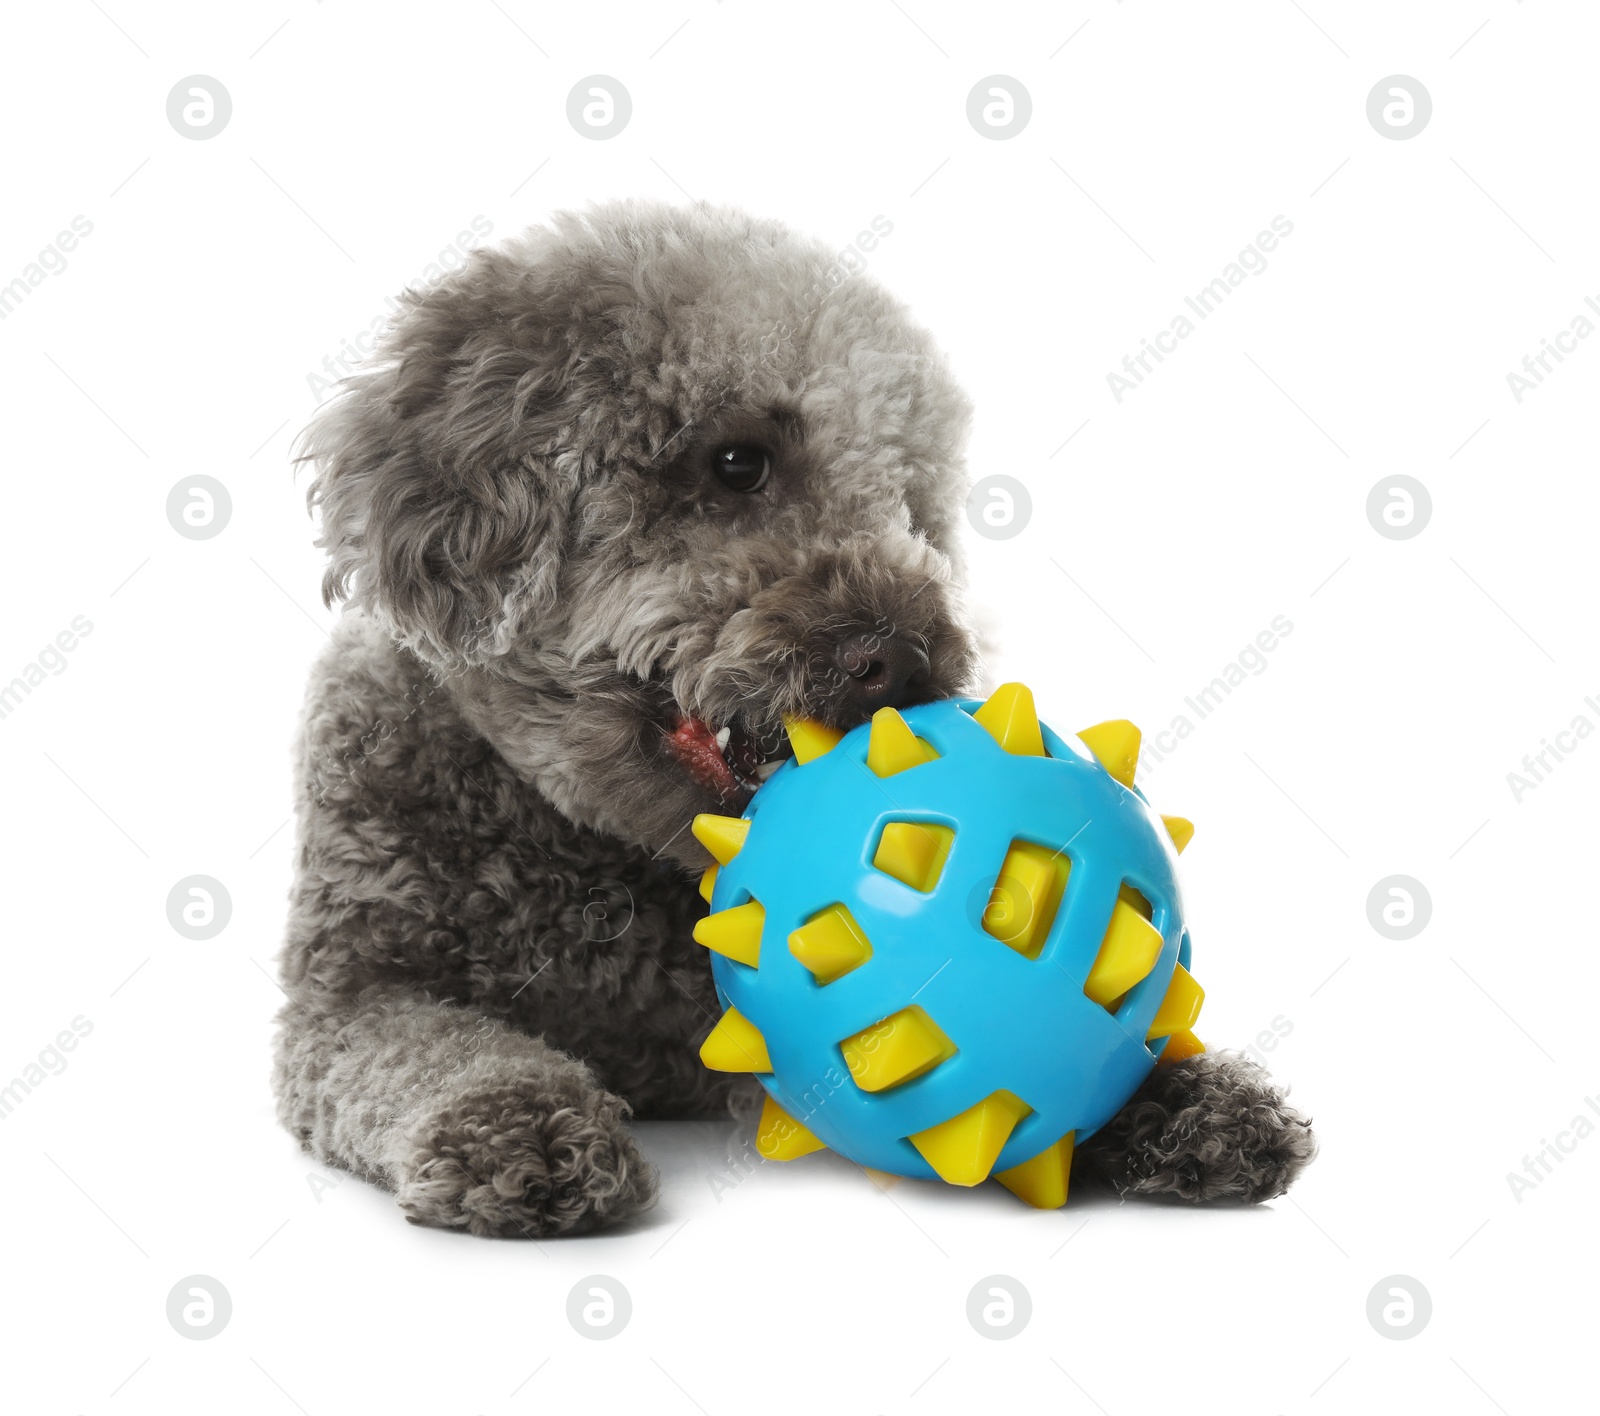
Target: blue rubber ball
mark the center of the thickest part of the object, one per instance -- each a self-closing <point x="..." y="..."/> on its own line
<point x="949" y="943"/>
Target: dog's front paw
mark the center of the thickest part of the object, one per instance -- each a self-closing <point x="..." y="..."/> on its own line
<point x="506" y="1163"/>
<point x="1213" y="1127"/>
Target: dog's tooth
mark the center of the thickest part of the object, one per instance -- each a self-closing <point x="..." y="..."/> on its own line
<point x="766" y="769"/>
<point x="722" y="737"/>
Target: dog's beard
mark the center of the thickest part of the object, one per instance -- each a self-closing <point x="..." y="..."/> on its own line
<point x="636" y="749"/>
<point x="616" y="750"/>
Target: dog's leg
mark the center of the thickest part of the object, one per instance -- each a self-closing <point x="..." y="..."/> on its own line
<point x="472" y="1124"/>
<point x="1212" y="1127"/>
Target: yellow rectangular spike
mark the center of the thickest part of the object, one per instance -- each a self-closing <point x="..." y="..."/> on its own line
<point x="810" y="739"/>
<point x="723" y="836"/>
<point x="1042" y="1181"/>
<point x="1024" y="901"/>
<point x="1012" y="722"/>
<point x="780" y="1137"/>
<point x="708" y="883"/>
<point x="914" y="852"/>
<point x="904" y="1045"/>
<point x="893" y="747"/>
<point x="735" y="1045"/>
<point x="1179" y="1046"/>
<point x="1181" y="831"/>
<point x="830" y="944"/>
<point x="963" y="1149"/>
<point x="1115" y="746"/>
<point x="735" y="932"/>
<point x="1129" y="951"/>
<point x="1180" y="1008"/>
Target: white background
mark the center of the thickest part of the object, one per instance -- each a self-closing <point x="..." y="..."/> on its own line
<point x="1231" y="487"/>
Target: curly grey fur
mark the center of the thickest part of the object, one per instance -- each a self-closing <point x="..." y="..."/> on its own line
<point x="489" y="962"/>
<point x="1212" y="1127"/>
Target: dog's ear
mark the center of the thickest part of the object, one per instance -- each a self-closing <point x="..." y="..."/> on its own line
<point x="443" y="495"/>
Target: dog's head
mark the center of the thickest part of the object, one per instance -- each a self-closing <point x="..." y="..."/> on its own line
<point x="641" y="483"/>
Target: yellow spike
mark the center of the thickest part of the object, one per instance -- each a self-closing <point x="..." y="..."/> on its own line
<point x="830" y="944"/>
<point x="914" y="852"/>
<point x="1023" y="903"/>
<point x="809" y="738"/>
<point x="1042" y="1181"/>
<point x="904" y="1045"/>
<point x="1130" y="950"/>
<point x="1010" y="718"/>
<point x="1179" y="1046"/>
<point x="735" y="932"/>
<point x="963" y="1149"/>
<point x="780" y="1137"/>
<point x="735" y="1045"/>
<point x="1180" y="1007"/>
<point x="708" y="883"/>
<point x="1116" y="746"/>
<point x="893" y="747"/>
<point x="721" y="835"/>
<point x="1181" y="831"/>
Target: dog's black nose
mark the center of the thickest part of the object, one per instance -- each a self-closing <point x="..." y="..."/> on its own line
<point x="882" y="671"/>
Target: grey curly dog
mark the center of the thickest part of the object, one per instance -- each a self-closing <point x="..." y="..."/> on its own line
<point x="606" y="504"/>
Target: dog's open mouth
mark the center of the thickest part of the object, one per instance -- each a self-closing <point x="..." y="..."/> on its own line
<point x="730" y="761"/>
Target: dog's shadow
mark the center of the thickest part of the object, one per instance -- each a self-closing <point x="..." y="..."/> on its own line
<point x="702" y="1163"/>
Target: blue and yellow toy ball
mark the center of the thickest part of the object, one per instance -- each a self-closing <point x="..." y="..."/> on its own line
<point x="949" y="943"/>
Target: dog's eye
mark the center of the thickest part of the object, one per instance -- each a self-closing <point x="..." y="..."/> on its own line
<point x="744" y="467"/>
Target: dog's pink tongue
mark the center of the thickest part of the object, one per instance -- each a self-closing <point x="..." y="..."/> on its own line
<point x="695" y="745"/>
